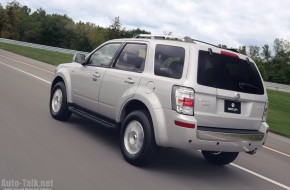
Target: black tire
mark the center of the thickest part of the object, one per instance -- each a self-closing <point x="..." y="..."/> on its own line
<point x="219" y="158"/>
<point x="62" y="113"/>
<point x="149" y="149"/>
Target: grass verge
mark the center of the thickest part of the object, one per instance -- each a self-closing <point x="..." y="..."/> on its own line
<point x="279" y="112"/>
<point x="46" y="56"/>
<point x="279" y="102"/>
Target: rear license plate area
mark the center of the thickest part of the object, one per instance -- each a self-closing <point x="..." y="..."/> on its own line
<point x="232" y="107"/>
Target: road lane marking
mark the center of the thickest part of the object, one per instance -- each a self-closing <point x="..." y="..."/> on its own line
<point x="261" y="176"/>
<point x="28" y="64"/>
<point x="277" y="151"/>
<point x="25" y="72"/>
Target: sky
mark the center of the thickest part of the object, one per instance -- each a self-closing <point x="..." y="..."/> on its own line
<point x="230" y="22"/>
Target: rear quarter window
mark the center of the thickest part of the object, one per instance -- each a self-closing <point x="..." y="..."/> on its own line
<point x="169" y="61"/>
<point x="229" y="73"/>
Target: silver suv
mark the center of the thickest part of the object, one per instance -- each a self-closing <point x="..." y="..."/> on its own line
<point x="166" y="91"/>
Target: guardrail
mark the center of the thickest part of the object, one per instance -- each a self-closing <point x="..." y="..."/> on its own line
<point x="269" y="85"/>
<point x="277" y="86"/>
<point x="39" y="46"/>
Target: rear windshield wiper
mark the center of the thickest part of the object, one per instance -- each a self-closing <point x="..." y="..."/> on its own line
<point x="243" y="85"/>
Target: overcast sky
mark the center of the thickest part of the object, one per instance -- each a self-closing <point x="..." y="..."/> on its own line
<point x="230" y="22"/>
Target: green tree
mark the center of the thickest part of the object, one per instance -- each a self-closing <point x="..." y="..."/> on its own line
<point x="4" y="23"/>
<point x="33" y="29"/>
<point x="278" y="67"/>
<point x="223" y="46"/>
<point x="135" y="32"/>
<point x="12" y="28"/>
<point x="254" y="53"/>
<point x="266" y="53"/>
<point x="243" y="50"/>
<point x="22" y="14"/>
<point x="115" y="29"/>
<point x="58" y="30"/>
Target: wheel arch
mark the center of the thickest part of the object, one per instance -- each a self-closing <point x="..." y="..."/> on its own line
<point x="55" y="81"/>
<point x="133" y="105"/>
<point x="65" y="78"/>
<point x="136" y="104"/>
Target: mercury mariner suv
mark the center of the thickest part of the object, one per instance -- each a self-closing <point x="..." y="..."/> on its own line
<point x="166" y="91"/>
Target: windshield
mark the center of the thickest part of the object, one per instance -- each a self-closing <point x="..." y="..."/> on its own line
<point x="229" y="73"/>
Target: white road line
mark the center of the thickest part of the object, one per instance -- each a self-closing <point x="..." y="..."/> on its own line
<point x="277" y="151"/>
<point x="46" y="81"/>
<point x="27" y="64"/>
<point x="232" y="164"/>
<point x="261" y="176"/>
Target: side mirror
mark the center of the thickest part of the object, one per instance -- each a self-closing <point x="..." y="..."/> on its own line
<point x="79" y="58"/>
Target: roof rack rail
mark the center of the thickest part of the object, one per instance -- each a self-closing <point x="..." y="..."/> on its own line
<point x="179" y="38"/>
<point x="230" y="49"/>
<point x="165" y="37"/>
<point x="206" y="43"/>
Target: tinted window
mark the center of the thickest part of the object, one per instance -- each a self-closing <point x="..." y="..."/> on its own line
<point x="229" y="73"/>
<point x="103" y="56"/>
<point x="169" y="61"/>
<point x="132" y="57"/>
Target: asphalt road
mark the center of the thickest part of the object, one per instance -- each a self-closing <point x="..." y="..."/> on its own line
<point x="80" y="155"/>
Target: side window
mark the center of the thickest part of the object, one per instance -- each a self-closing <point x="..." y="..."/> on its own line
<point x="169" y="61"/>
<point x="103" y="56"/>
<point x="132" y="57"/>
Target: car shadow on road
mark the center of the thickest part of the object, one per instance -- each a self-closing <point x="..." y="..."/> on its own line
<point x="103" y="134"/>
<point x="187" y="163"/>
<point x="182" y="163"/>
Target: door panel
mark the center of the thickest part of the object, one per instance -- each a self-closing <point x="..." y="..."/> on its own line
<point x="117" y="85"/>
<point x="121" y="81"/>
<point x="86" y="83"/>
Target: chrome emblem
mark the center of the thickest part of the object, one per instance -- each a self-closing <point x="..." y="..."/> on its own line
<point x="233" y="105"/>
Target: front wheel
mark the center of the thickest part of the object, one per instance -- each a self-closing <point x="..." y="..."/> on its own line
<point x="219" y="158"/>
<point x="58" y="102"/>
<point x="137" y="138"/>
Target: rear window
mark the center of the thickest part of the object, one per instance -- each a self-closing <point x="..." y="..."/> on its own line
<point x="229" y="73"/>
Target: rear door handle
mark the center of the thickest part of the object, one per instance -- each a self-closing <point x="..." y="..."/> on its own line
<point x="129" y="80"/>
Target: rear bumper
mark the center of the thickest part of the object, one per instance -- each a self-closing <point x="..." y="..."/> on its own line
<point x="225" y="135"/>
<point x="168" y="134"/>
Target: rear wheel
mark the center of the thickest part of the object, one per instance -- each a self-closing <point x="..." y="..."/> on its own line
<point x="137" y="139"/>
<point x="58" y="102"/>
<point x="219" y="158"/>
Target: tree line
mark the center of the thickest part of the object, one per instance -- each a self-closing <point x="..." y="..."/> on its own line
<point x="18" y="22"/>
<point x="273" y="66"/>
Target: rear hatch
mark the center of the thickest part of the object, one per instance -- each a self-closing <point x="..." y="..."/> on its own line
<point x="229" y="91"/>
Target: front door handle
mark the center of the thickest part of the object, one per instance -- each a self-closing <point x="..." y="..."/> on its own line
<point x="96" y="76"/>
<point x="129" y="80"/>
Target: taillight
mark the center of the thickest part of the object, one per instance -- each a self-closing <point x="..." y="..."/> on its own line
<point x="265" y="112"/>
<point x="183" y="100"/>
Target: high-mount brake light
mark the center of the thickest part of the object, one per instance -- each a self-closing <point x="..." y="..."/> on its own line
<point x="183" y="100"/>
<point x="229" y="54"/>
